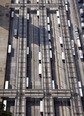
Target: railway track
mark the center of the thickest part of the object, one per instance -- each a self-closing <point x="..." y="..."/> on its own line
<point x="34" y="41"/>
<point x="70" y="65"/>
<point x="56" y="41"/>
<point x="62" y="82"/>
<point x="46" y="58"/>
<point x="20" y="101"/>
<point x="33" y="73"/>
<point x="65" y="111"/>
<point x="39" y="28"/>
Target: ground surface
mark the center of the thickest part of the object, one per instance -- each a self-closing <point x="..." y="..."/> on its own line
<point x="4" y="28"/>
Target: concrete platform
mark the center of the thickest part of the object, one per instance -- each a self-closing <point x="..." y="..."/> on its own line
<point x="4" y="30"/>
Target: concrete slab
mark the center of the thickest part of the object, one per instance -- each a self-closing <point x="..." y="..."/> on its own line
<point x="4" y="30"/>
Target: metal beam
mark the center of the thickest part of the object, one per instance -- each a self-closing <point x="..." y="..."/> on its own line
<point x="35" y="93"/>
<point x="35" y="6"/>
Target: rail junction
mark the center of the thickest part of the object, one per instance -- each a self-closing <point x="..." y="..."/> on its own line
<point x="64" y="99"/>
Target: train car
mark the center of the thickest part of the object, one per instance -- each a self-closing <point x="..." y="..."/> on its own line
<point x="28" y="16"/>
<point x="49" y="37"/>
<point x="37" y="1"/>
<point x="48" y="28"/>
<point x="40" y="70"/>
<point x="80" y="88"/>
<point x="50" y="53"/>
<point x="80" y="92"/>
<point x="58" y="20"/>
<point x="82" y="19"/>
<point x="81" y="12"/>
<point x="69" y="23"/>
<point x="78" y="43"/>
<point x="37" y="13"/>
<point x="5" y="104"/>
<point x="9" y="49"/>
<point x="66" y="7"/>
<point x="79" y="84"/>
<point x="63" y="57"/>
<point x="61" y="41"/>
<point x="77" y="35"/>
<point x="53" y="84"/>
<point x="80" y="54"/>
<point x="76" y="28"/>
<point x="27" y="50"/>
<point x="82" y="25"/>
<point x="57" y="13"/>
<point x="40" y="57"/>
<point x="27" y="82"/>
<point x="48" y="20"/>
<point x="66" y="2"/>
<point x="15" y="32"/>
<point x="12" y="14"/>
<point x="6" y="84"/>
<point x="73" y="51"/>
<point x="16" y="1"/>
<point x="50" y="47"/>
<point x="72" y="43"/>
<point x="41" y="107"/>
<point x="83" y="36"/>
<point x="47" y="1"/>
